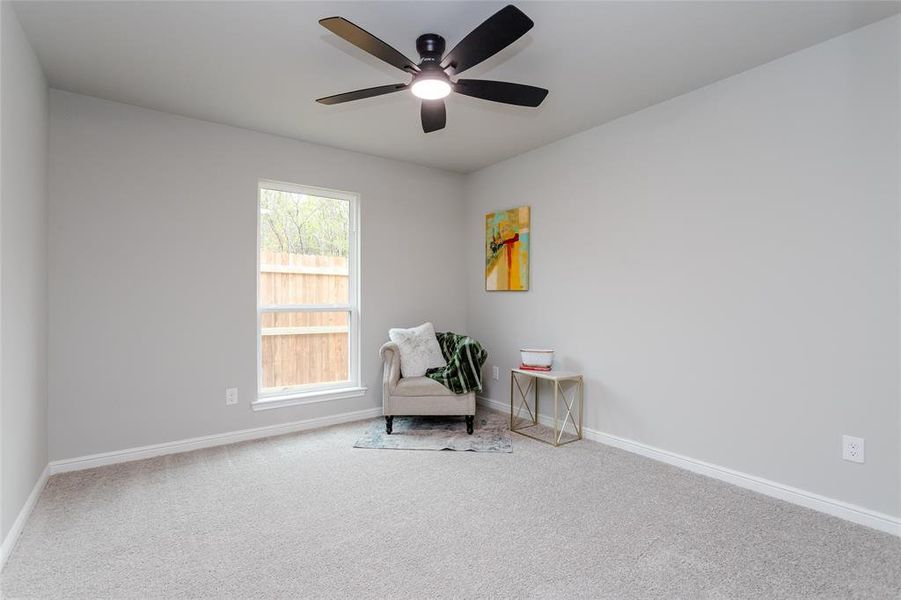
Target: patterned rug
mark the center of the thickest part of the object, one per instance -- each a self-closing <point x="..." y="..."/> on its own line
<point x="441" y="433"/>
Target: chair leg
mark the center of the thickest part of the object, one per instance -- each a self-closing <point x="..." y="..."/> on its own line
<point x="470" y="421"/>
<point x="389" y="424"/>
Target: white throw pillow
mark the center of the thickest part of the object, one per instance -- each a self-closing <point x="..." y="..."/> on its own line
<point x="419" y="349"/>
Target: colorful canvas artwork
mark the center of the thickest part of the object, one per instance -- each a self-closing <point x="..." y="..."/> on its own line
<point x="507" y="250"/>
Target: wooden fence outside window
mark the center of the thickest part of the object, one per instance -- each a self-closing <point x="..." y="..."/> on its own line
<point x="303" y="348"/>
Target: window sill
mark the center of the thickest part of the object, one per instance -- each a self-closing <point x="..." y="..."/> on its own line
<point x="296" y="398"/>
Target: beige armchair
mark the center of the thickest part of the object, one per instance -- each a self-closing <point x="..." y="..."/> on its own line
<point x="419" y="396"/>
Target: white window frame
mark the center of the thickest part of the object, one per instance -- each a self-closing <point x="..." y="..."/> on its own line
<point x="316" y="392"/>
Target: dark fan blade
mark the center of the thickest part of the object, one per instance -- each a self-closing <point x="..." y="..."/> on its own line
<point x="434" y="115"/>
<point x="360" y="94"/>
<point x="500" y="30"/>
<point x="501" y="91"/>
<point x="366" y="41"/>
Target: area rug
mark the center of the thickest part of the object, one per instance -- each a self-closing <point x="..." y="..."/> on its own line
<point x="441" y="433"/>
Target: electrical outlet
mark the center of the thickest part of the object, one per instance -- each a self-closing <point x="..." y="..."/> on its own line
<point x="231" y="396"/>
<point x="495" y="373"/>
<point x="852" y="448"/>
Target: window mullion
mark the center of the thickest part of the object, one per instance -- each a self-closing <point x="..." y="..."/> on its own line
<point x="275" y="308"/>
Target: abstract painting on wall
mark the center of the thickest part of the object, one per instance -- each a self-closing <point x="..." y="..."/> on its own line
<point x="507" y="250"/>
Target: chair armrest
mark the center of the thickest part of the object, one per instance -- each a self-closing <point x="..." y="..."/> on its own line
<point x="391" y="372"/>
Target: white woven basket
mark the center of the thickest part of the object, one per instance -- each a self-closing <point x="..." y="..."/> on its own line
<point x="535" y="357"/>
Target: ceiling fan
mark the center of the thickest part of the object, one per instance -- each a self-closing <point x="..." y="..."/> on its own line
<point x="432" y="76"/>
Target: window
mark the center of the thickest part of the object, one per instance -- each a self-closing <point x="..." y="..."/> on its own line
<point x="308" y="309"/>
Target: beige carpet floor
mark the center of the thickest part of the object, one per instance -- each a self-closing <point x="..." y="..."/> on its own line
<point x="309" y="516"/>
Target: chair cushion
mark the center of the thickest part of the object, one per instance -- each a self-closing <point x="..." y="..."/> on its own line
<point x="420" y="386"/>
<point x="419" y="349"/>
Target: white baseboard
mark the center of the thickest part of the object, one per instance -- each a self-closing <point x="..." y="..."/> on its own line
<point x="9" y="542"/>
<point x="206" y="441"/>
<point x="830" y="506"/>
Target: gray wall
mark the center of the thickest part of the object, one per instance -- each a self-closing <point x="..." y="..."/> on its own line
<point x="724" y="268"/>
<point x="23" y="270"/>
<point x="153" y="262"/>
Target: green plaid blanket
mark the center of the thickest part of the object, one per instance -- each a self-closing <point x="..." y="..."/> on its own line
<point x="465" y="358"/>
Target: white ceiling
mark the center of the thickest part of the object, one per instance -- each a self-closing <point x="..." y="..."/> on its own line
<point x="260" y="65"/>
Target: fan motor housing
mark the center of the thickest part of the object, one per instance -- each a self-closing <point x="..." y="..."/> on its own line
<point x="430" y="47"/>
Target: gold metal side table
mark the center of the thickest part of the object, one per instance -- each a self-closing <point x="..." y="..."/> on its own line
<point x="560" y="380"/>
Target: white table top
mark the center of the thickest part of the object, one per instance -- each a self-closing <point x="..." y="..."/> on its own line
<point x="550" y="375"/>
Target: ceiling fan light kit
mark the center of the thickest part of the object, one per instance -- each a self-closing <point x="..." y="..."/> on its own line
<point x="432" y="76"/>
<point x="430" y="89"/>
<point x="431" y="83"/>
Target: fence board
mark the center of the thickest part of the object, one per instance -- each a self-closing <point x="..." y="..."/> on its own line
<point x="303" y="348"/>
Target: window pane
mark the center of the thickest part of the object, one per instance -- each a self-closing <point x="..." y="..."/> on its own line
<point x="303" y="249"/>
<point x="302" y="348"/>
